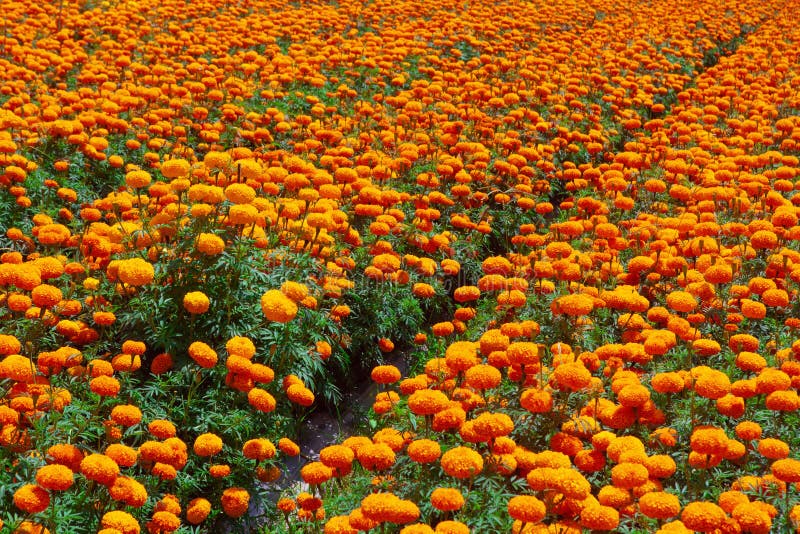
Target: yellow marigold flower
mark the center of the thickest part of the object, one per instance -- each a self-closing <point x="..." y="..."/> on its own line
<point x="121" y="521"/>
<point x="135" y="272"/>
<point x="258" y="449"/>
<point x="137" y="179"/>
<point x="277" y="307"/>
<point x="210" y="244"/>
<point x="175" y="168"/>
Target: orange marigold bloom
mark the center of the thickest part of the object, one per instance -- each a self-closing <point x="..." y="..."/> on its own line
<point x="135" y="272"/>
<point x="31" y="499"/>
<point x="574" y="305"/>
<point x="536" y="400"/>
<point x="126" y="415"/>
<point x="462" y="462"/>
<point x="786" y="470"/>
<point x="427" y="402"/>
<point x="207" y="444"/>
<point x="288" y="447"/>
<point x="105" y="386"/>
<point x="772" y="448"/>
<point x="482" y="377"/>
<point x="377" y="456"/>
<point x="277" y="307"/>
<point x="196" y="302"/>
<point x="121" y="522"/>
<point x="258" y="449"/>
<point x="55" y="477"/>
<point x="629" y="475"/>
<point x="599" y="517"/>
<point x="703" y="516"/>
<point x="203" y="355"/>
<point x="198" y="510"/>
<point x="752" y="518"/>
<point x="210" y="244"/>
<point x="424" y="451"/>
<point x="316" y="473"/>
<point x="659" y="505"/>
<point x="100" y="468"/>
<point x="385" y="374"/>
<point x="235" y="501"/>
<point x="526" y="508"/>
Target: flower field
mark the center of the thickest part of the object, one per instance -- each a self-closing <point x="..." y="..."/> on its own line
<point x="575" y="223"/>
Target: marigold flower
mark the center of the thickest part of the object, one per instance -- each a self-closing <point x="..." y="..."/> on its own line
<point x="235" y="501"/>
<point x="135" y="272"/>
<point x="751" y="517"/>
<point x="31" y="499"/>
<point x="462" y="462"/>
<point x="599" y="517"/>
<point x="427" y="402"/>
<point x="161" y="428"/>
<point x="129" y="491"/>
<point x="66" y="454"/>
<point x="210" y="244"/>
<point x="299" y="394"/>
<point x="198" y="510"/>
<point x="100" y="468"/>
<point x="378" y="456"/>
<point x="772" y="448"/>
<point x="339" y="524"/>
<point x="121" y="521"/>
<point x="277" y="307"/>
<point x="574" y="305"/>
<point x="703" y="516"/>
<point x="55" y="477"/>
<point x="385" y="374"/>
<point x="536" y="400"/>
<point x="261" y="400"/>
<point x="482" y="377"/>
<point x="258" y="449"/>
<point x="526" y="508"/>
<point x="105" y="386"/>
<point x="207" y="444"/>
<point x="126" y="415"/>
<point x="288" y="447"/>
<point x="424" y="451"/>
<point x="196" y="302"/>
<point x="337" y="457"/>
<point x="629" y="475"/>
<point x="203" y="355"/>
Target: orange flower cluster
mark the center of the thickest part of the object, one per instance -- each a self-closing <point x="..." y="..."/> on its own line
<point x="593" y="204"/>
